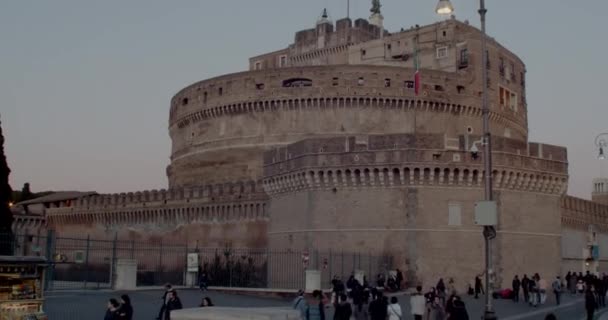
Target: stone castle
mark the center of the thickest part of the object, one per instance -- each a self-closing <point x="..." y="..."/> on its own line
<point x="325" y="144"/>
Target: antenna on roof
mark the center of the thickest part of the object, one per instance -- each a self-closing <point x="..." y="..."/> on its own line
<point x="348" y="9"/>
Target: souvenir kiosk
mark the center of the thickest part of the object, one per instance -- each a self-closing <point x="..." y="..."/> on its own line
<point x="22" y="288"/>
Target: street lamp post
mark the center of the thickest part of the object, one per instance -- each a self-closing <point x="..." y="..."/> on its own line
<point x="601" y="141"/>
<point x="444" y="7"/>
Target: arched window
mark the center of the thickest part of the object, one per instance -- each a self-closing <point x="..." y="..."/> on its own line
<point x="297" y="82"/>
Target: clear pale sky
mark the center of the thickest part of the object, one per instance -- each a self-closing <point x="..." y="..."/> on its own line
<point x="85" y="85"/>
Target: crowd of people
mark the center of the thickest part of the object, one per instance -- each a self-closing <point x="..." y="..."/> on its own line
<point x="359" y="301"/>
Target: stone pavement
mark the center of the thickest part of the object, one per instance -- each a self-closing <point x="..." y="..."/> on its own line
<point x="91" y="305"/>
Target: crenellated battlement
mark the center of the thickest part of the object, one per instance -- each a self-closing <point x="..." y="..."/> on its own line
<point x="416" y="160"/>
<point x="226" y="192"/>
<point x="580" y="213"/>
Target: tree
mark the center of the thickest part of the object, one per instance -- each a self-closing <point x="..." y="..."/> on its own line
<point x="6" y="217"/>
<point x="26" y="194"/>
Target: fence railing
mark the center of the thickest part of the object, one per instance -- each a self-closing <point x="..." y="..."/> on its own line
<point x="85" y="263"/>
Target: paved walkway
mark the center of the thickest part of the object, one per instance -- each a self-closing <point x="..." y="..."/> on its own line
<point x="76" y="305"/>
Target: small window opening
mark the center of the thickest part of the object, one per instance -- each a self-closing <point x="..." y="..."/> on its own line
<point x="259" y="86"/>
<point x="361" y="81"/>
<point x="388" y="46"/>
<point x="445" y="33"/>
<point x="205" y="97"/>
<point x="335" y="82"/>
<point x="221" y="91"/>
<point x="460" y="89"/>
<point x="363" y="52"/>
<point x="409" y="84"/>
<point x="387" y="83"/>
<point x="184" y="101"/>
<point x="438" y="88"/>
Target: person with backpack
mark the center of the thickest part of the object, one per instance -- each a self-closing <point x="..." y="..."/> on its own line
<point x="299" y="303"/>
<point x="394" y="310"/>
<point x="557" y="289"/>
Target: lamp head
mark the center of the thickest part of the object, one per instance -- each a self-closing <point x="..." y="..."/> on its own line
<point x="444" y="7"/>
<point x="601" y="156"/>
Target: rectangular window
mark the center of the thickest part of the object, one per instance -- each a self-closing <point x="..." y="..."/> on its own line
<point x="501" y="67"/>
<point x="513" y="72"/>
<point x="335" y="82"/>
<point x="442" y="52"/>
<point x="464" y="58"/>
<point x="387" y="83"/>
<point x="488" y="64"/>
<point x="513" y="102"/>
<point x="409" y="84"/>
<point x="282" y="61"/>
<point x="258" y="66"/>
<point x="455" y="214"/>
<point x="501" y="95"/>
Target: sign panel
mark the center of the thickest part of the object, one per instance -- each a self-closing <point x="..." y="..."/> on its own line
<point x="192" y="262"/>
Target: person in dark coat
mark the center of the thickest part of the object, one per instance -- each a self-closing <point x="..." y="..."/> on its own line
<point x="203" y="280"/>
<point x="111" y="313"/>
<point x="525" y="285"/>
<point x="378" y="308"/>
<point x="164" y="298"/>
<point x="399" y="279"/>
<point x="441" y="291"/>
<point x="590" y="302"/>
<point x="478" y="287"/>
<point x="125" y="311"/>
<point x="174" y="303"/>
<point x="343" y="309"/>
<point x="459" y="311"/>
<point x="516" y="284"/>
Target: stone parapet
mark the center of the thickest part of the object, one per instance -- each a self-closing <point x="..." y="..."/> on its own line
<point x="579" y="214"/>
<point x="408" y="160"/>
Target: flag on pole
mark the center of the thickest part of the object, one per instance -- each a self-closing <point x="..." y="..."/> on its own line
<point x="417" y="67"/>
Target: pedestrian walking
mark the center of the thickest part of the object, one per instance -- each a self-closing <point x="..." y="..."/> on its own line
<point x="525" y="285"/>
<point x="394" y="310"/>
<point x="203" y="280"/>
<point x="441" y="291"/>
<point x="399" y="279"/>
<point x="360" y="309"/>
<point x="112" y="307"/>
<point x="174" y="303"/>
<point x="573" y="282"/>
<point x="164" y="298"/>
<point x="580" y="286"/>
<point x="343" y="309"/>
<point x="315" y="310"/>
<point x="417" y="304"/>
<point x="478" y="287"/>
<point x="590" y="302"/>
<point x="542" y="286"/>
<point x="459" y="310"/>
<point x="299" y="303"/>
<point x="437" y="310"/>
<point x="557" y="289"/>
<point x="125" y="311"/>
<point x="516" y="284"/>
<point x="451" y="286"/>
<point x="601" y="292"/>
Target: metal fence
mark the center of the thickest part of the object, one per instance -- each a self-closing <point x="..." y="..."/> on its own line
<point x="91" y="263"/>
